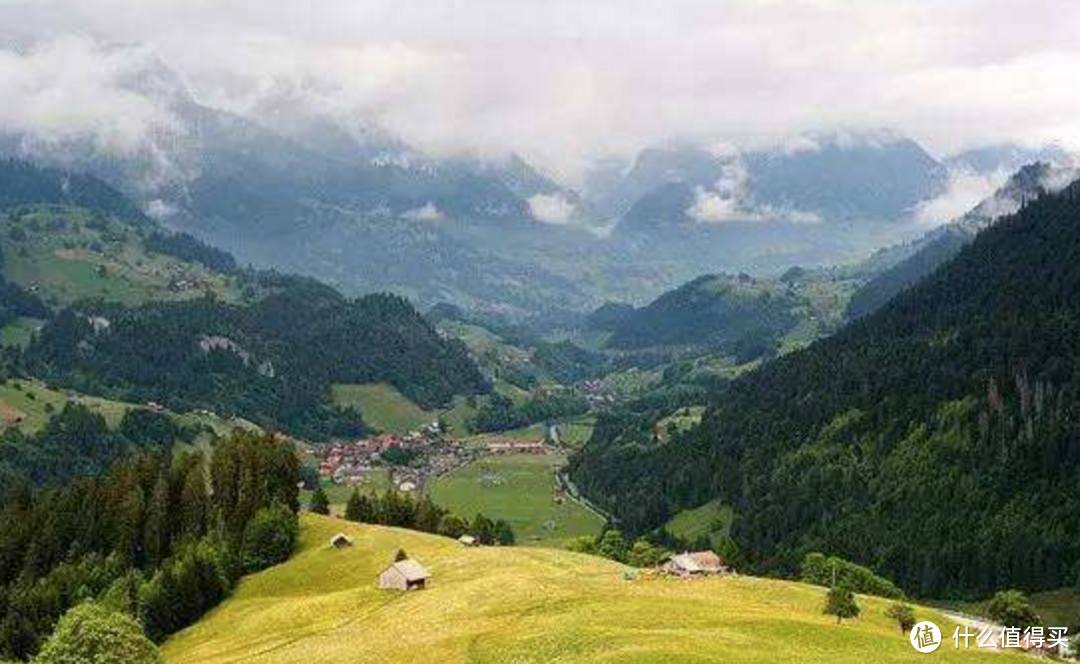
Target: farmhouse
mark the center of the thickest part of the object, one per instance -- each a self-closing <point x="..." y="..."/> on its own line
<point x="404" y="575"/>
<point x="698" y="563"/>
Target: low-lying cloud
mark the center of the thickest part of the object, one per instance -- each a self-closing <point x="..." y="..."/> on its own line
<point x="73" y="88"/>
<point x="551" y="208"/>
<point x="730" y="199"/>
<point x="964" y="190"/>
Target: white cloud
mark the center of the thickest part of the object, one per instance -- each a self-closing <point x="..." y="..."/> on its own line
<point x="730" y="200"/>
<point x="562" y="82"/>
<point x="551" y="209"/>
<point x="965" y="189"/>
<point x="426" y="212"/>
<point x="711" y="208"/>
<point x="73" y="89"/>
<point x="800" y="143"/>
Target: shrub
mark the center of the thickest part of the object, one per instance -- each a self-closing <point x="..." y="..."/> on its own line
<point x="644" y="554"/>
<point x="269" y="538"/>
<point x="903" y="614"/>
<point x="92" y="634"/>
<point x="1012" y="608"/>
<point x="828" y="571"/>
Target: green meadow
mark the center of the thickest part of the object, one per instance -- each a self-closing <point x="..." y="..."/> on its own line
<point x="383" y="407"/>
<point x="520" y="489"/>
<point x="523" y="605"/>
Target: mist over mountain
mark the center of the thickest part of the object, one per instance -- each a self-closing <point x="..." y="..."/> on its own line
<point x="910" y="263"/>
<point x="293" y="183"/>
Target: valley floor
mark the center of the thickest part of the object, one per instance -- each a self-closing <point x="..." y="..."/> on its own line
<point x="523" y="605"/>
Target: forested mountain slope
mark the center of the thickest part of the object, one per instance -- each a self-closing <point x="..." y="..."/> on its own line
<point x="133" y="311"/>
<point x="935" y="439"/>
<point x="272" y="362"/>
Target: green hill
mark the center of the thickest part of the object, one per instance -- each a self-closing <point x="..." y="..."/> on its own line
<point x="934" y="440"/>
<point x="521" y="605"/>
<point x="383" y="406"/>
<point x="65" y="254"/>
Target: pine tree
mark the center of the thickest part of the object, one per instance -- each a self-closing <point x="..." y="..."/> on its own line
<point x="157" y="530"/>
<point x="320" y="502"/>
<point x="354" y="508"/>
<point x="194" y="503"/>
<point x="504" y="534"/>
<point x="428" y="516"/>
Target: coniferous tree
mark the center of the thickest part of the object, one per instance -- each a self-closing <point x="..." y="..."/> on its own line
<point x="320" y="502"/>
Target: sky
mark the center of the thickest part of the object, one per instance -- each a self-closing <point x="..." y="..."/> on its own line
<point x="562" y="82"/>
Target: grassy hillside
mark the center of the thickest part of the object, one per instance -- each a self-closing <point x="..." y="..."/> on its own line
<point x="383" y="407"/>
<point x="66" y="254"/>
<point x="519" y="489"/>
<point x="496" y="606"/>
<point x="28" y="404"/>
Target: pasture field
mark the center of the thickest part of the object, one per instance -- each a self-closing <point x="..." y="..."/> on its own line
<point x="28" y="404"/>
<point x="528" y="606"/>
<point x="519" y="488"/>
<point x="65" y="259"/>
<point x="383" y="407"/>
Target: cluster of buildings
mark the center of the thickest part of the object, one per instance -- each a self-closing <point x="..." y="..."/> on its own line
<point x="513" y="446"/>
<point x="350" y="462"/>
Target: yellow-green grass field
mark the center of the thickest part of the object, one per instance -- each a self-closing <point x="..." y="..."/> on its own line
<point x="520" y="489"/>
<point x="383" y="407"/>
<point x="528" y="606"/>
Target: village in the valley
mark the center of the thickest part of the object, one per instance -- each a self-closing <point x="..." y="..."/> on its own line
<point x="415" y="458"/>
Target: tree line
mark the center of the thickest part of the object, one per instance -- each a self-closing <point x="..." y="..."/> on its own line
<point x="392" y="508"/>
<point x="160" y="537"/>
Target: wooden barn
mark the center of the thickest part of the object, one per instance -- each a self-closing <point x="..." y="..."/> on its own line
<point x="404" y="575"/>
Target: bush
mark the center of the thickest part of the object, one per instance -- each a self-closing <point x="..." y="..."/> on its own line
<point x="903" y="614"/>
<point x="1012" y="608"/>
<point x="645" y="554"/>
<point x="828" y="571"/>
<point x="840" y="602"/>
<point x="269" y="538"/>
<point x="91" y="634"/>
